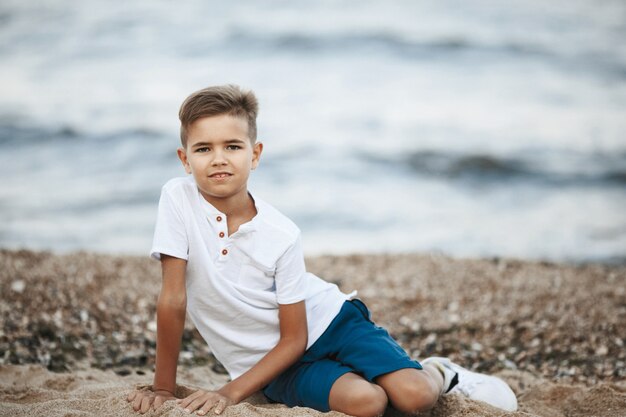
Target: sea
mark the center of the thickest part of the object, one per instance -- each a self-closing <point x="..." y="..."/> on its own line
<point x="462" y="128"/>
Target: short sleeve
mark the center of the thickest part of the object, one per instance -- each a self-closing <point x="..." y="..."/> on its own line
<point x="291" y="284"/>
<point x="170" y="235"/>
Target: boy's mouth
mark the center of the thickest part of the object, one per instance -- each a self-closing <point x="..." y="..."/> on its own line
<point x="220" y="175"/>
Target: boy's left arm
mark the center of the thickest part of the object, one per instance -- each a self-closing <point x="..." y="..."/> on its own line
<point x="290" y="347"/>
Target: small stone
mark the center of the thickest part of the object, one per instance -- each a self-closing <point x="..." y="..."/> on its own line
<point x="119" y="337"/>
<point x="58" y="318"/>
<point x="58" y="362"/>
<point x="405" y="321"/>
<point x="218" y="368"/>
<point x="477" y="347"/>
<point x="152" y="326"/>
<point x="122" y="371"/>
<point x="410" y="323"/>
<point x="602" y="350"/>
<point x="509" y="364"/>
<point x="18" y="286"/>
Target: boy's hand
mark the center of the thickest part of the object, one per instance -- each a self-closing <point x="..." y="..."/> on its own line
<point x="144" y="399"/>
<point x="204" y="401"/>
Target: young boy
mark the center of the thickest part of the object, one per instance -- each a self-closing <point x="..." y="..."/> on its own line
<point x="235" y="264"/>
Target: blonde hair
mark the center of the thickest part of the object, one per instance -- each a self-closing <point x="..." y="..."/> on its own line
<point x="217" y="100"/>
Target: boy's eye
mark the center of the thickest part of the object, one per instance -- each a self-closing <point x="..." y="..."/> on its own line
<point x="203" y="149"/>
<point x="233" y="147"/>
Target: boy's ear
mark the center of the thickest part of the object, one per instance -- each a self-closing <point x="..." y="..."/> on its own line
<point x="257" y="150"/>
<point x="182" y="155"/>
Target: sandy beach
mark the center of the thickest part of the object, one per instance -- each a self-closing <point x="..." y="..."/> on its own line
<point x="78" y="330"/>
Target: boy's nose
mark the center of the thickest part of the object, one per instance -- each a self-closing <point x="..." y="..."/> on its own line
<point x="219" y="159"/>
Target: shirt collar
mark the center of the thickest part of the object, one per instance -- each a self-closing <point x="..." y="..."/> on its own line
<point x="208" y="207"/>
<point x="212" y="213"/>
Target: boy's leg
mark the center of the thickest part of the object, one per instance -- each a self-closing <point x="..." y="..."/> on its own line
<point x="412" y="390"/>
<point x="410" y="386"/>
<point x="327" y="385"/>
<point x="353" y="395"/>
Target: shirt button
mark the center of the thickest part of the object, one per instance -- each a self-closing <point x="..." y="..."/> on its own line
<point x="219" y="218"/>
<point x="222" y="234"/>
<point x="224" y="252"/>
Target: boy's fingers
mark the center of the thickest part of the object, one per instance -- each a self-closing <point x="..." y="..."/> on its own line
<point x="189" y="399"/>
<point x="206" y="407"/>
<point x="137" y="402"/>
<point x="131" y="396"/>
<point x="197" y="403"/>
<point x="145" y="404"/>
<point x="221" y="405"/>
<point x="158" y="401"/>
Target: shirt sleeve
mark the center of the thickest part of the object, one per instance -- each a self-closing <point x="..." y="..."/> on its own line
<point x="170" y="235"/>
<point x="291" y="283"/>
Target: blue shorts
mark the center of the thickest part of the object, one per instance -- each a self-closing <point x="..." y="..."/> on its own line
<point x="351" y="343"/>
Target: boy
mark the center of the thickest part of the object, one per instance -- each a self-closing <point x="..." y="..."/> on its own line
<point x="235" y="264"/>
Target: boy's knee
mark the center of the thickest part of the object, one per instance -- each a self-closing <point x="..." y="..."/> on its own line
<point x="415" y="397"/>
<point x="366" y="401"/>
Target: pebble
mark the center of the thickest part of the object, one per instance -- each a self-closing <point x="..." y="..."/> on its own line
<point x="18" y="286"/>
<point x="477" y="346"/>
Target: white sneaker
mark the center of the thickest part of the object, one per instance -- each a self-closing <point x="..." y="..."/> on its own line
<point x="473" y="385"/>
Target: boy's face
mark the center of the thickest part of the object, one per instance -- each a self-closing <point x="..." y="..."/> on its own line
<point x="220" y="156"/>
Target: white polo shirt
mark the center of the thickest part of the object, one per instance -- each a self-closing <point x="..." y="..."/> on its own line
<point x="235" y="283"/>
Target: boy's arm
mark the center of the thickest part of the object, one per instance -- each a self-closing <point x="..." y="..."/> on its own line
<point x="171" y="309"/>
<point x="291" y="346"/>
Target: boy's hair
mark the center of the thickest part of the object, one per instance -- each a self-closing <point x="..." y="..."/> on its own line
<point x="217" y="100"/>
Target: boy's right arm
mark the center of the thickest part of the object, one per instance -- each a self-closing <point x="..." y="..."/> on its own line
<point x="171" y="309"/>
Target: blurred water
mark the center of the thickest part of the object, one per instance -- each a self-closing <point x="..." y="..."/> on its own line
<point x="473" y="128"/>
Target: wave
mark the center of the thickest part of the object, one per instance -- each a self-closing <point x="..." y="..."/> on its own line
<point x="14" y="134"/>
<point x="24" y="134"/>
<point x="405" y="48"/>
<point x="544" y="167"/>
<point x="54" y="147"/>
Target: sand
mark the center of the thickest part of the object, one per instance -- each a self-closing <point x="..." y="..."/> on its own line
<point x="77" y="331"/>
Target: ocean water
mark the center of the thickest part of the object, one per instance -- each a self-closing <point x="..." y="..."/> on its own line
<point x="481" y="128"/>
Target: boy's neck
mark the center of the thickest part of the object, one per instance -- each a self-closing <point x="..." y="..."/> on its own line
<point x="240" y="205"/>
